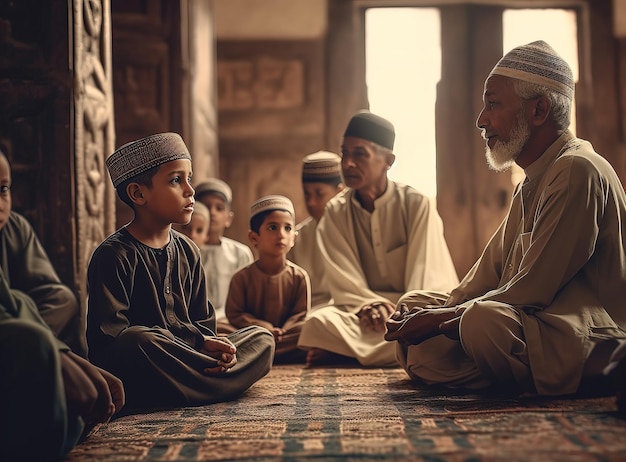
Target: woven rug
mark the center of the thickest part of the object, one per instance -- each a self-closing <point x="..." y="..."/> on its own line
<point x="296" y="413"/>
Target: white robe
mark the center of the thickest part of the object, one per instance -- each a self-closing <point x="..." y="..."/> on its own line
<point x="306" y="253"/>
<point x="375" y="257"/>
<point x="220" y="262"/>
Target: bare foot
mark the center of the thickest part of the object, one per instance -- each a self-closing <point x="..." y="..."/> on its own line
<point x="319" y="357"/>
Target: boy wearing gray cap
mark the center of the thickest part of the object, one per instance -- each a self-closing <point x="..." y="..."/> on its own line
<point x="272" y="292"/>
<point x="221" y="256"/>
<point x="149" y="317"/>
<point x="321" y="181"/>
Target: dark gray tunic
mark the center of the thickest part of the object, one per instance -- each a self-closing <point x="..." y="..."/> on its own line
<point x="148" y="315"/>
<point x="28" y="269"/>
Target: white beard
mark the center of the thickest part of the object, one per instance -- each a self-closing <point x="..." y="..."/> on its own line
<point x="504" y="153"/>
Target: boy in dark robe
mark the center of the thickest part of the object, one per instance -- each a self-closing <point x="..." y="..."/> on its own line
<point x="149" y="318"/>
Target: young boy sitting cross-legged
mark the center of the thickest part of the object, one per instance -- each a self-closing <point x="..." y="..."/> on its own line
<point x="149" y="317"/>
<point x="272" y="292"/>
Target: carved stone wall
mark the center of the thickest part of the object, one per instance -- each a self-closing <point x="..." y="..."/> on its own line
<point x="271" y="104"/>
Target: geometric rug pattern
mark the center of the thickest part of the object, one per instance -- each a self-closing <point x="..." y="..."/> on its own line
<point x="347" y="414"/>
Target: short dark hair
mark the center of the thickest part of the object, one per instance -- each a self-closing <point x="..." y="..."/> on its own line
<point x="144" y="178"/>
<point x="257" y="220"/>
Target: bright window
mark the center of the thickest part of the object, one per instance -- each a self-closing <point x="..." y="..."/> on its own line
<point x="403" y="66"/>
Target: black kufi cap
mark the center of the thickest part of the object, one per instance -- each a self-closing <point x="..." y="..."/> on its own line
<point x="371" y="127"/>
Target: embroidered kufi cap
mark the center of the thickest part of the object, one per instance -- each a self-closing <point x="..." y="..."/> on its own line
<point x="215" y="186"/>
<point x="141" y="155"/>
<point x="323" y="167"/>
<point x="537" y="63"/>
<point x="371" y="127"/>
<point x="272" y="202"/>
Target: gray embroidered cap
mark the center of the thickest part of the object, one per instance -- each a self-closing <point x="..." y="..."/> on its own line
<point x="141" y="155"/>
<point x="323" y="167"/>
<point x="538" y="63"/>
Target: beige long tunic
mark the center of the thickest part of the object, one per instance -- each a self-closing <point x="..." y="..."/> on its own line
<point x="306" y="253"/>
<point x="373" y="257"/>
<point x="558" y="259"/>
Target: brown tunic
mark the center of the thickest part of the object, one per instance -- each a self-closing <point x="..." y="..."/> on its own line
<point x="280" y="300"/>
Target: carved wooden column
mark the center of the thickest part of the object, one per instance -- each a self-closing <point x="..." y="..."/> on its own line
<point x="94" y="130"/>
<point x="56" y="124"/>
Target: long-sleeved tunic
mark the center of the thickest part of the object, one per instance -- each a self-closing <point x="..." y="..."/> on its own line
<point x="148" y="317"/>
<point x="27" y="268"/>
<point x="306" y="253"/>
<point x="557" y="264"/>
<point x="278" y="300"/>
<point x="559" y="259"/>
<point x="374" y="257"/>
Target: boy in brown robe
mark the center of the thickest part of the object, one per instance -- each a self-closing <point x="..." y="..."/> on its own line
<point x="272" y="292"/>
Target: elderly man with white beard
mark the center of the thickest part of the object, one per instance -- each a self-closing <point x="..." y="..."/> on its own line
<point x="543" y="308"/>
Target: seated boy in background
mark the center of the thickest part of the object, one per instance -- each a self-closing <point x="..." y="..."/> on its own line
<point x="221" y="256"/>
<point x="198" y="227"/>
<point x="321" y="181"/>
<point x="272" y="292"/>
<point x="27" y="268"/>
<point x="149" y="319"/>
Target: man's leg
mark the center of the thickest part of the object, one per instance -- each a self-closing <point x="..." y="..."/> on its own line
<point x="492" y="336"/>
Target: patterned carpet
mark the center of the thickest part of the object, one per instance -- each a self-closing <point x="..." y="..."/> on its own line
<point x="361" y="414"/>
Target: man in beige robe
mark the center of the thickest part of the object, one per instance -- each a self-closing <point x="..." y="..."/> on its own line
<point x="378" y="239"/>
<point x="543" y="308"/>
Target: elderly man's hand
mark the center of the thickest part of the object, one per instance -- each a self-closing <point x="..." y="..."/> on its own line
<point x="372" y="317"/>
<point x="418" y="324"/>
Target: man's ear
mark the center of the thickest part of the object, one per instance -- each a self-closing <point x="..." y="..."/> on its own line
<point x="390" y="159"/>
<point x="541" y="110"/>
<point x="135" y="193"/>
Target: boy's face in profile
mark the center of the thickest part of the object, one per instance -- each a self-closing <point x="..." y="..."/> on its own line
<point x="170" y="198"/>
<point x="221" y="215"/>
<point x="276" y="235"/>
<point x="5" y="190"/>
<point x="196" y="229"/>
<point x="316" y="195"/>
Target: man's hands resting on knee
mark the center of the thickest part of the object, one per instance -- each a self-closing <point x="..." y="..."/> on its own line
<point x="413" y="326"/>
